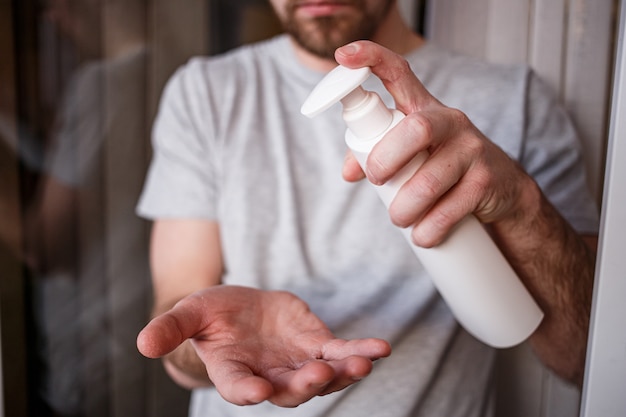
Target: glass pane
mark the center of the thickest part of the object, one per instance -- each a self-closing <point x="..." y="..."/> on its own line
<point x="79" y="94"/>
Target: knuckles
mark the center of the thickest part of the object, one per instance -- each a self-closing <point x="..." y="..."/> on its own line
<point x="400" y="71"/>
<point x="459" y="118"/>
<point x="432" y="128"/>
<point x="420" y="127"/>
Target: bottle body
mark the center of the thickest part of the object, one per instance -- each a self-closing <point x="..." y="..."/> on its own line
<point x="468" y="269"/>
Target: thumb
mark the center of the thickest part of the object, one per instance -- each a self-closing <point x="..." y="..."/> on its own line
<point x="166" y="332"/>
<point x="352" y="171"/>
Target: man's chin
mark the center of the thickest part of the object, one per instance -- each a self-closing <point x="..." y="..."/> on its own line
<point x="326" y="51"/>
<point x="321" y="42"/>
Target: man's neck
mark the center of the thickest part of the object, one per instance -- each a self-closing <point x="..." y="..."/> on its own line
<point x="393" y="34"/>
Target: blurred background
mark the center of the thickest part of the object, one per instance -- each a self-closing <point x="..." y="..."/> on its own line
<point x="80" y="82"/>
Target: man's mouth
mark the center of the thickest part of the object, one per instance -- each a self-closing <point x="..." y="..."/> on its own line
<point x="313" y="8"/>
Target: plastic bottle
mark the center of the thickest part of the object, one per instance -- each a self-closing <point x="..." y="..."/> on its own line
<point x="469" y="271"/>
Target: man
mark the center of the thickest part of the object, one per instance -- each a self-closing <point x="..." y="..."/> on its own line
<point x="246" y="192"/>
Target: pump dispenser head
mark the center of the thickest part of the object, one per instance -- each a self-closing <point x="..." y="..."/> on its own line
<point x="363" y="111"/>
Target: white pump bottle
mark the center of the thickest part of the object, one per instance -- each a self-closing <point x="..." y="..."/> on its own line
<point x="468" y="269"/>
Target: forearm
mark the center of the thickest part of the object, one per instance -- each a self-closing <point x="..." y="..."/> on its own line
<point x="192" y="264"/>
<point x="558" y="269"/>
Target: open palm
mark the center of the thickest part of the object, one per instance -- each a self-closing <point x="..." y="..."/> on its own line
<point x="261" y="345"/>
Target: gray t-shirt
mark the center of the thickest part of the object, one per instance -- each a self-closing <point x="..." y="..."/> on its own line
<point x="231" y="145"/>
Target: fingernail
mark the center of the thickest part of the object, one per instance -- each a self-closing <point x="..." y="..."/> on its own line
<point x="320" y="385"/>
<point x="349" y="49"/>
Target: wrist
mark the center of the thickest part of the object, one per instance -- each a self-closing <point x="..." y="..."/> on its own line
<point x="527" y="209"/>
<point x="185" y="367"/>
<point x="528" y="224"/>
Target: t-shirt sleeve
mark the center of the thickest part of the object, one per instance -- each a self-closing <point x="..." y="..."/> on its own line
<point x="553" y="155"/>
<point x="181" y="181"/>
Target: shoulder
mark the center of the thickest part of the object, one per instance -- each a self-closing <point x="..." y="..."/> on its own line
<point x="206" y="80"/>
<point x="457" y="78"/>
<point x="493" y="96"/>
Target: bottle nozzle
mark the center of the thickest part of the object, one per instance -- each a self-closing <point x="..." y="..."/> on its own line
<point x="363" y="111"/>
<point x="354" y="99"/>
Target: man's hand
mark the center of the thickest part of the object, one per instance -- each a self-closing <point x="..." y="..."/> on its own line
<point x="465" y="173"/>
<point x="261" y="345"/>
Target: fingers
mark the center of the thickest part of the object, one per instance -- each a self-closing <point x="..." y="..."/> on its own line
<point x="443" y="190"/>
<point x="348" y="371"/>
<point x="319" y="378"/>
<point x="410" y="96"/>
<point x="418" y="132"/>
<point x="371" y="349"/>
<point x="293" y="388"/>
<point x="352" y="360"/>
<point x="288" y="387"/>
<point x="237" y="384"/>
<point x="425" y="189"/>
<point x="393" y="70"/>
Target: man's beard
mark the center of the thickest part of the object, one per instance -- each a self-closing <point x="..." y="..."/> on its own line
<point x="323" y="35"/>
